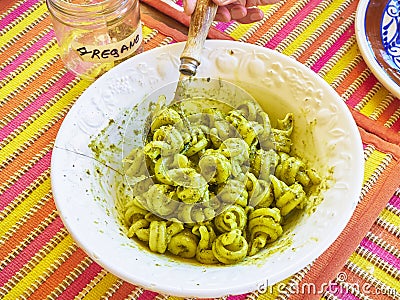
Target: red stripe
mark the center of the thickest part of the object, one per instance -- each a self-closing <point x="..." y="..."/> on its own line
<point x="79" y="283"/>
<point x="288" y="28"/>
<point x="332" y="50"/>
<point x="21" y="185"/>
<point x="362" y="91"/>
<point x="395" y="201"/>
<point x="30" y="250"/>
<point x="147" y="295"/>
<point x="396" y="126"/>
<point x="237" y="297"/>
<point x="123" y="291"/>
<point x="37" y="104"/>
<point x="26" y="54"/>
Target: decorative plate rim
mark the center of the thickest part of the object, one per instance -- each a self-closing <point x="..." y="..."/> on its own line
<point x="367" y="50"/>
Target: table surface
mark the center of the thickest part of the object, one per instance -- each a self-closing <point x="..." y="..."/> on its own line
<point x="38" y="257"/>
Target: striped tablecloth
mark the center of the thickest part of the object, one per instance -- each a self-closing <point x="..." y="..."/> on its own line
<point x="38" y="257"/>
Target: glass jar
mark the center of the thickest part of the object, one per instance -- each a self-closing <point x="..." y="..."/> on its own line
<point x="96" y="35"/>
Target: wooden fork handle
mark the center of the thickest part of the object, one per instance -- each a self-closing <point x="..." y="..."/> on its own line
<point x="200" y="24"/>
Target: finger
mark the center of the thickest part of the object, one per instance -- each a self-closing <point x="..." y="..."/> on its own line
<point x="188" y="6"/>
<point x="237" y="11"/>
<point x="263" y="2"/>
<point x="253" y="15"/>
<point x="224" y="2"/>
<point x="240" y="2"/>
<point x="223" y="14"/>
<point x="251" y="3"/>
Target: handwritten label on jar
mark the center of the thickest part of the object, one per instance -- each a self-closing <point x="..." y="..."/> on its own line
<point x="110" y="51"/>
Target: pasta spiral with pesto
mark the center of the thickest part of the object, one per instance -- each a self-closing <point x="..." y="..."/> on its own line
<point x="216" y="191"/>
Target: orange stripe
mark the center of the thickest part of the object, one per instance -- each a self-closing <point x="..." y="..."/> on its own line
<point x="23" y="231"/>
<point x="42" y="142"/>
<point x="351" y="277"/>
<point x="59" y="275"/>
<point x="26" y="38"/>
<point x="5" y="5"/>
<point x="154" y="42"/>
<point x="272" y="20"/>
<point x="322" y="38"/>
<point x="123" y="291"/>
<point x="32" y="87"/>
<point x="389" y="111"/>
<point x="385" y="235"/>
<point x="351" y="77"/>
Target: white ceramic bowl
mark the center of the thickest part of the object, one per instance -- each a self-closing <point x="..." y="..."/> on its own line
<point x="84" y="185"/>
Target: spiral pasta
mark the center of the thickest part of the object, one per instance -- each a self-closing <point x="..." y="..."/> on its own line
<point x="133" y="212"/>
<point x="282" y="134"/>
<point x="191" y="186"/>
<point x="259" y="192"/>
<point x="264" y="227"/>
<point x="234" y="217"/>
<point x="233" y="192"/>
<point x="194" y="214"/>
<point x="238" y="153"/>
<point x="197" y="142"/>
<point x="160" y="198"/>
<point x="230" y="247"/>
<point x="163" y="167"/>
<point x="261" y="119"/>
<point x="184" y="244"/>
<point x="215" y="167"/>
<point x="158" y="238"/>
<point x="264" y="163"/>
<point x="167" y="116"/>
<point x="287" y="197"/>
<point x="218" y="191"/>
<point x="135" y="163"/>
<point x="204" y="252"/>
<point x="249" y="130"/>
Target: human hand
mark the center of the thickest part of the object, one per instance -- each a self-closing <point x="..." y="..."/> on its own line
<point x="243" y="11"/>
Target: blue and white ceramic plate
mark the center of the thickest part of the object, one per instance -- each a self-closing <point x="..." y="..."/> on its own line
<point x="378" y="37"/>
